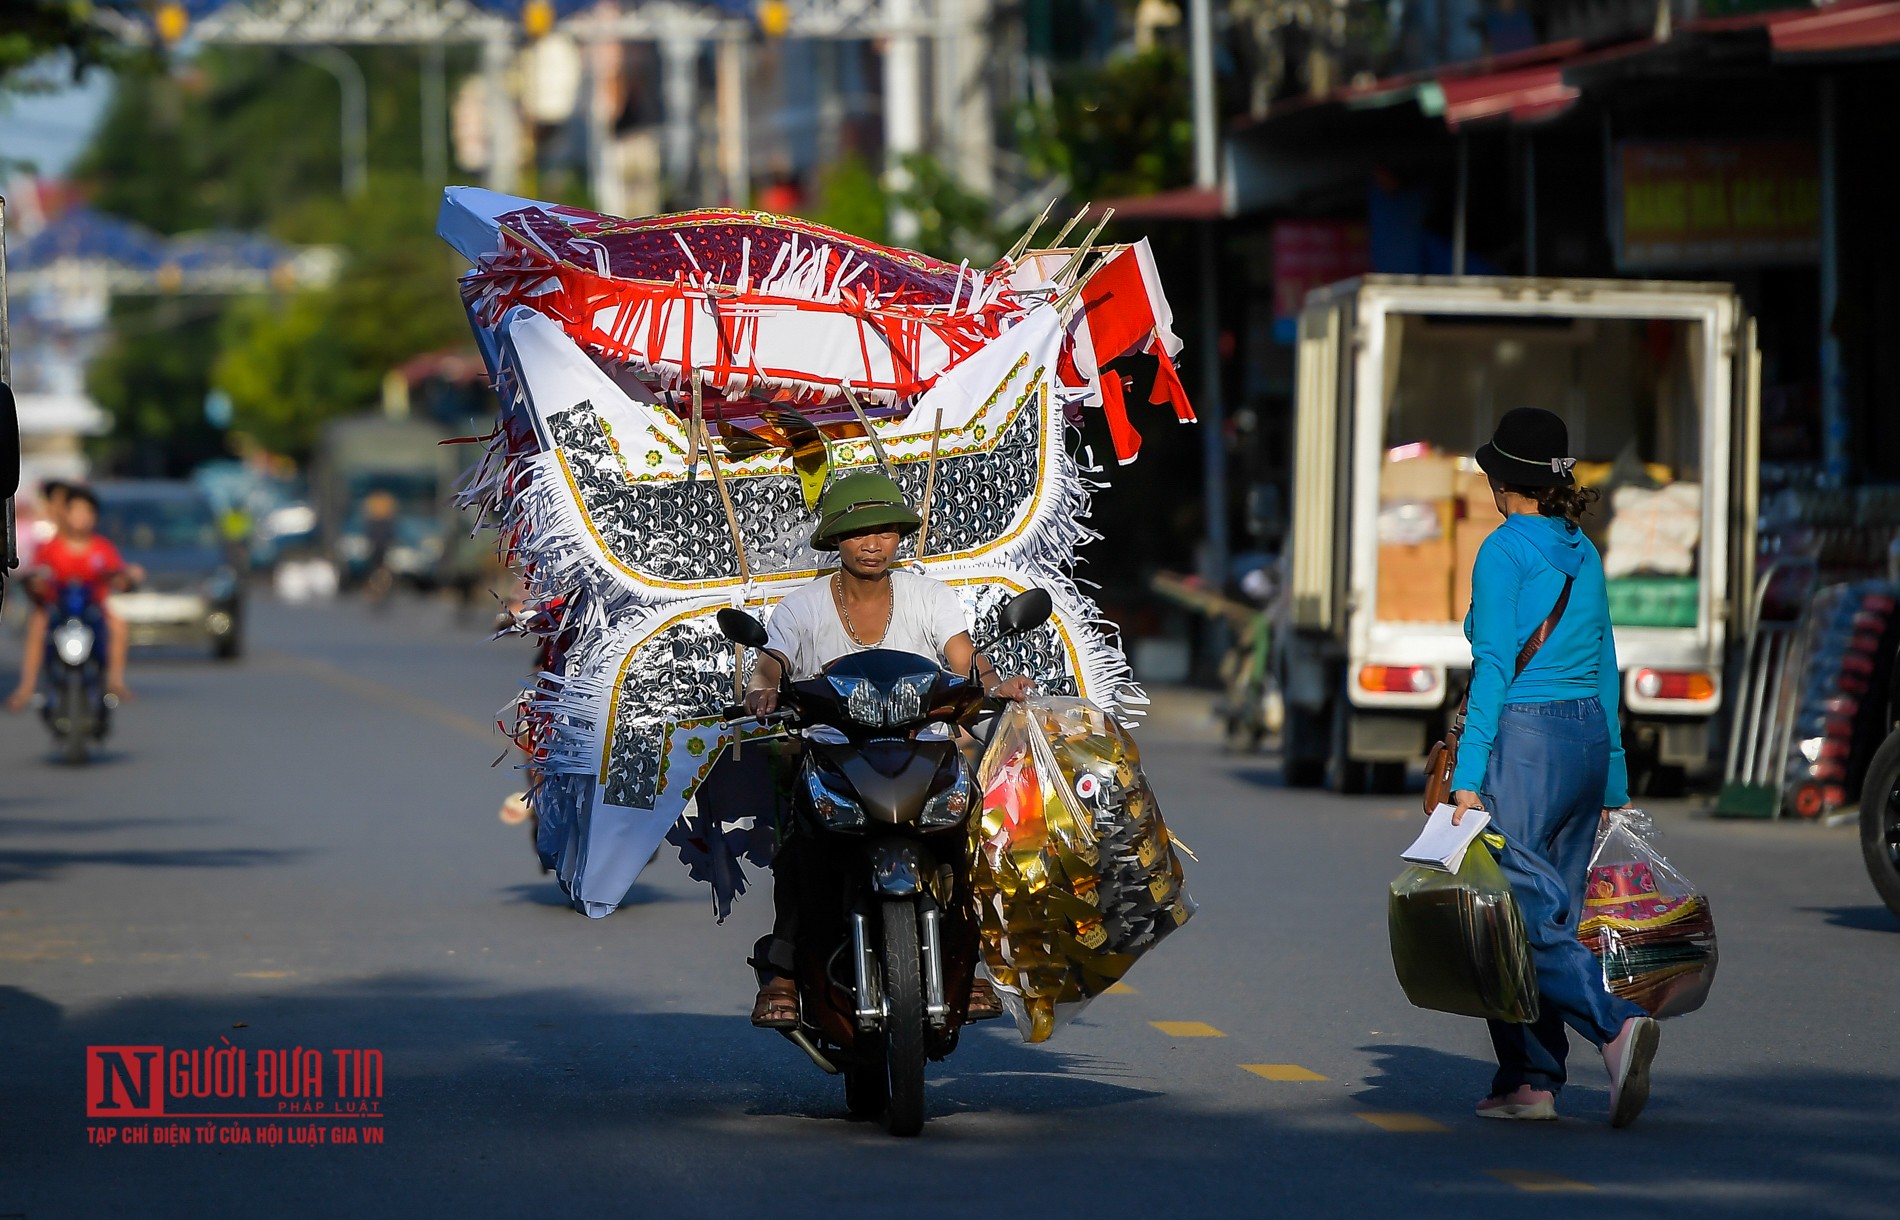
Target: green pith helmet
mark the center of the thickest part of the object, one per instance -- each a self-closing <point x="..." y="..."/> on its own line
<point x="859" y="501"/>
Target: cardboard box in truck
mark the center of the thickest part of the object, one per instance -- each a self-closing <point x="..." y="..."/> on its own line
<point x="1469" y="536"/>
<point x="1415" y="582"/>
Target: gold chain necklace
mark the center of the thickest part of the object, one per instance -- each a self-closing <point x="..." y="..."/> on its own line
<point x="837" y="595"/>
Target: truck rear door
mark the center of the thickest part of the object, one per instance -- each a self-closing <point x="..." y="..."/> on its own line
<point x="1319" y="495"/>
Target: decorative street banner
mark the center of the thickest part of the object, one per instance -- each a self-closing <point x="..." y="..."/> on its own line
<point x="1708" y="205"/>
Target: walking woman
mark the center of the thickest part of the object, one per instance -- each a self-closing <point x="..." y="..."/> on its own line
<point x="1543" y="755"/>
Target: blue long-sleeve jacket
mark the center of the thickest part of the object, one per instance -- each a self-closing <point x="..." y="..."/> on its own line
<point x="1515" y="583"/>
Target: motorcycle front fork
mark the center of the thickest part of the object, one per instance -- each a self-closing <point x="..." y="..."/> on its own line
<point x="871" y="1009"/>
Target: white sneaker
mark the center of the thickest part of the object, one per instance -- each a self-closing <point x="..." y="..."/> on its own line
<point x="1525" y="1105"/>
<point x="1628" y="1057"/>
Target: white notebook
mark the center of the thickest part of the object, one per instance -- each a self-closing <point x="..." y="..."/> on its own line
<point x="1441" y="845"/>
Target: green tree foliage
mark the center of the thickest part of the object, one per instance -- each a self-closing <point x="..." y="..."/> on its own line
<point x="952" y="223"/>
<point x="250" y="139"/>
<point x="1117" y="128"/>
<point x="292" y="362"/>
<point x="152" y="378"/>
<point x="31" y="31"/>
<point x="851" y="198"/>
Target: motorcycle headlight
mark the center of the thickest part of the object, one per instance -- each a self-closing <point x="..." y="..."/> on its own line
<point x="72" y="641"/>
<point x="862" y="700"/>
<point x="949" y="807"/>
<point x="837" y="809"/>
<point x="908" y="698"/>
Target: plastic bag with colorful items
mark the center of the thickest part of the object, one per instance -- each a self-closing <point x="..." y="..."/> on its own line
<point x="1075" y="873"/>
<point x="1650" y="928"/>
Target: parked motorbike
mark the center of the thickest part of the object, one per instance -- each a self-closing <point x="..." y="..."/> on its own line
<point x="73" y="699"/>
<point x="1880" y="805"/>
<point x="886" y="946"/>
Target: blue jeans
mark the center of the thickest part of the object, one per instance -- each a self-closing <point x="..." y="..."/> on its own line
<point x="1544" y="791"/>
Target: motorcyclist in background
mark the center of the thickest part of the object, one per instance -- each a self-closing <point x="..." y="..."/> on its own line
<point x="76" y="555"/>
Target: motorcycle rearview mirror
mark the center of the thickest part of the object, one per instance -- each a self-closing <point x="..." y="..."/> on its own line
<point x="1026" y="611"/>
<point x="741" y="628"/>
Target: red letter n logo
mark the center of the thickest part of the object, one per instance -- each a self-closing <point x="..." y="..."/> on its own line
<point x="125" y="1081"/>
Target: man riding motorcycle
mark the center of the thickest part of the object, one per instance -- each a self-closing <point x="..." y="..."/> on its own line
<point x="865" y="604"/>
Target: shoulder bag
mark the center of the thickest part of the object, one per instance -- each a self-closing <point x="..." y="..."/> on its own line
<point x="1443" y="759"/>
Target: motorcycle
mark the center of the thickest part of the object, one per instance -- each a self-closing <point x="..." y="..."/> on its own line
<point x="1880" y="805"/>
<point x="886" y="947"/>
<point x="73" y="699"/>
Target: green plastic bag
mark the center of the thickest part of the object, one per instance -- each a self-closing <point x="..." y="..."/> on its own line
<point x="1458" y="940"/>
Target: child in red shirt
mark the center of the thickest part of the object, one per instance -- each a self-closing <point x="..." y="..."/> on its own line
<point x="76" y="555"/>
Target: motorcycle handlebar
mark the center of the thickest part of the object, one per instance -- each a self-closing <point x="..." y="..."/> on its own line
<point x="737" y="711"/>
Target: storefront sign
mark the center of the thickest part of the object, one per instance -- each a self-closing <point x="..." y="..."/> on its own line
<point x="1706" y="205"/>
<point x="1309" y="254"/>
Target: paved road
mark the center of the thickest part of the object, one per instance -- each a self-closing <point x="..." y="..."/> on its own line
<point x="301" y="850"/>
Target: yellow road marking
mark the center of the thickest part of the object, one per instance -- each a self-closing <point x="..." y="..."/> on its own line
<point x="1282" y="1071"/>
<point x="1536" y="1180"/>
<point x="1187" y="1029"/>
<point x="1120" y="989"/>
<point x="381" y="692"/>
<point x="1394" y="1121"/>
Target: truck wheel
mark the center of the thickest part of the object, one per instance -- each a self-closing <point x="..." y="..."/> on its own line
<point x="1303" y="750"/>
<point x="1880" y="822"/>
<point x="1349" y="778"/>
<point x="1387" y="778"/>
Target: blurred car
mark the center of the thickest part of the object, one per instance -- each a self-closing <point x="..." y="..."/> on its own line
<point x="192" y="594"/>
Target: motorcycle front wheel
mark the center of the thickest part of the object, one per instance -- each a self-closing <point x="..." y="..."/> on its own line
<point x="904" y="1022"/>
<point x="75" y="719"/>
<point x="1880" y="822"/>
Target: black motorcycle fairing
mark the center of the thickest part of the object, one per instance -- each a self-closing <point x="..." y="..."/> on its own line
<point x="897" y="868"/>
<point x="892" y="777"/>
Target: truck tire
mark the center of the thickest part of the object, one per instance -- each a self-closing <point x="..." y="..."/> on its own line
<point x="1880" y="822"/>
<point x="1386" y="778"/>
<point x="1349" y="778"/>
<point x="1303" y="749"/>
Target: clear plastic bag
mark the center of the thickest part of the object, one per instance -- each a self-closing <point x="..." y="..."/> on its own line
<point x="1651" y="929"/>
<point x="1075" y="874"/>
<point x="1458" y="940"/>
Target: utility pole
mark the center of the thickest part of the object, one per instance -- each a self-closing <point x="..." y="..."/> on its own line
<point x="679" y="91"/>
<point x="504" y="151"/>
<point x="903" y="109"/>
<point x="729" y="83"/>
<point x="354" y="122"/>
<point x="435" y="111"/>
<point x="1212" y="410"/>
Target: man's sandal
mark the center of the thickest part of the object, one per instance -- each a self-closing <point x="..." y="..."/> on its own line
<point x="777" y="1005"/>
<point x="984" y="1002"/>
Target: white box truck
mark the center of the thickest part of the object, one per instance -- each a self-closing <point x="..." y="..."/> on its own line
<point x="1400" y="379"/>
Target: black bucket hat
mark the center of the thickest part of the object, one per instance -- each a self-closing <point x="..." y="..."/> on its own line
<point x="1531" y="448"/>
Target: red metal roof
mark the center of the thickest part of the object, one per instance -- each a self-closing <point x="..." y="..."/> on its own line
<point x="1182" y="203"/>
<point x="1837" y="27"/>
<point x="1525" y="95"/>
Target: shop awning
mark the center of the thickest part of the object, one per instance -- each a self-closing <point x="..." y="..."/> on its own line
<point x="1183" y="203"/>
<point x="1837" y="28"/>
<point x="1525" y="96"/>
